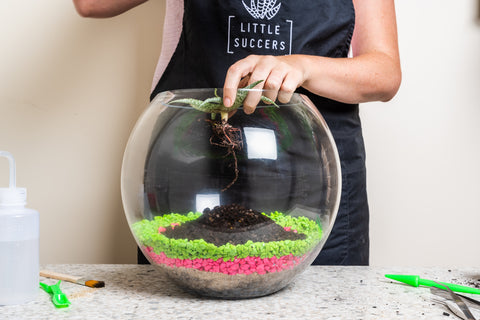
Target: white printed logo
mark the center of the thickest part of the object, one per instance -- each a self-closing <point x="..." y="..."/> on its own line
<point x="260" y="33"/>
<point x="262" y="9"/>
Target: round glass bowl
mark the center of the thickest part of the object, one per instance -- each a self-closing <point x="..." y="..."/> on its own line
<point x="230" y="209"/>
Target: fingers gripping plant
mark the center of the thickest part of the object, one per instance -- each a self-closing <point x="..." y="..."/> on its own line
<point x="224" y="135"/>
<point x="215" y="104"/>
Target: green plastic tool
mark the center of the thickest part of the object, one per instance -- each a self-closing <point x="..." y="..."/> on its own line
<point x="417" y="281"/>
<point x="59" y="298"/>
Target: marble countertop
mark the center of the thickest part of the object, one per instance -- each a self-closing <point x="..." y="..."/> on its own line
<point x="330" y="292"/>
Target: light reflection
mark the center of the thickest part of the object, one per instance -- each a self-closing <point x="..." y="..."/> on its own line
<point x="203" y="201"/>
<point x="261" y="143"/>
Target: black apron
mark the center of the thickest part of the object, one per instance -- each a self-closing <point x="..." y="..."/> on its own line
<point x="217" y="33"/>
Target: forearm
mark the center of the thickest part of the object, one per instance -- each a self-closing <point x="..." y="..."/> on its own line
<point x="367" y="77"/>
<point x="104" y="8"/>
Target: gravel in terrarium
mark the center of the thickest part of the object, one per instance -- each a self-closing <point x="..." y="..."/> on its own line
<point x="229" y="239"/>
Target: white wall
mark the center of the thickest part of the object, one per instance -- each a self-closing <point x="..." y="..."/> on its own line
<point x="72" y="88"/>
<point x="423" y="148"/>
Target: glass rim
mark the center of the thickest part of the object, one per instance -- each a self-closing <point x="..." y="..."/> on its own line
<point x="217" y="92"/>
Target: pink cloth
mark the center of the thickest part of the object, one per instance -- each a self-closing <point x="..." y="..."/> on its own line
<point x="172" y="28"/>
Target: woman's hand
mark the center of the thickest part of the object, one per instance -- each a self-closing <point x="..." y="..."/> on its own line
<point x="282" y="75"/>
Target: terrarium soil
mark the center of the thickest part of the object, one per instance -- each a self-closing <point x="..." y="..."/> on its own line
<point x="232" y="224"/>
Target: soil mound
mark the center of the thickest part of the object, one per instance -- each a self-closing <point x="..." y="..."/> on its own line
<point x="232" y="224"/>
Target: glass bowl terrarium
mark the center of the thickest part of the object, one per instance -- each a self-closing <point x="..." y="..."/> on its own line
<point x="230" y="205"/>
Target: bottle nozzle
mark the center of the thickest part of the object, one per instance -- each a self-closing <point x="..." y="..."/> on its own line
<point x="11" y="163"/>
<point x="12" y="195"/>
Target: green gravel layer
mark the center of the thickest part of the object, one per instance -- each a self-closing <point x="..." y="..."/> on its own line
<point x="148" y="235"/>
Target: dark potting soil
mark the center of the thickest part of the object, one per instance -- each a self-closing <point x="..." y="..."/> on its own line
<point x="232" y="224"/>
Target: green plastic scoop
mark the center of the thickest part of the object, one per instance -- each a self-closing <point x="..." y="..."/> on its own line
<point x="417" y="281"/>
<point x="59" y="298"/>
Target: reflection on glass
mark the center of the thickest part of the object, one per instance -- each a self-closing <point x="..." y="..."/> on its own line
<point x="261" y="143"/>
<point x="203" y="201"/>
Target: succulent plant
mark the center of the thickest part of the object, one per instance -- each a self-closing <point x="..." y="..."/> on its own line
<point x="215" y="105"/>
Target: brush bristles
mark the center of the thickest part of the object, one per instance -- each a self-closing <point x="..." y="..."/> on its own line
<point x="94" y="284"/>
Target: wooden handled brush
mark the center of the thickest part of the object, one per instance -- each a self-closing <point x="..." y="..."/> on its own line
<point x="79" y="280"/>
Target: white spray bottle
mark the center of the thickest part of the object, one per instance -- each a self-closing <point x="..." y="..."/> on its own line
<point x="19" y="244"/>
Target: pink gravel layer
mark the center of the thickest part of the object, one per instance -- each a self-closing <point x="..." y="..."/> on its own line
<point x="246" y="265"/>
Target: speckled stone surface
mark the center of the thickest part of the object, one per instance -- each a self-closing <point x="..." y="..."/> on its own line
<point x="144" y="292"/>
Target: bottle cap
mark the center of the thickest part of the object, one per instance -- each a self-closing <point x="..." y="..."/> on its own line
<point x="12" y="196"/>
